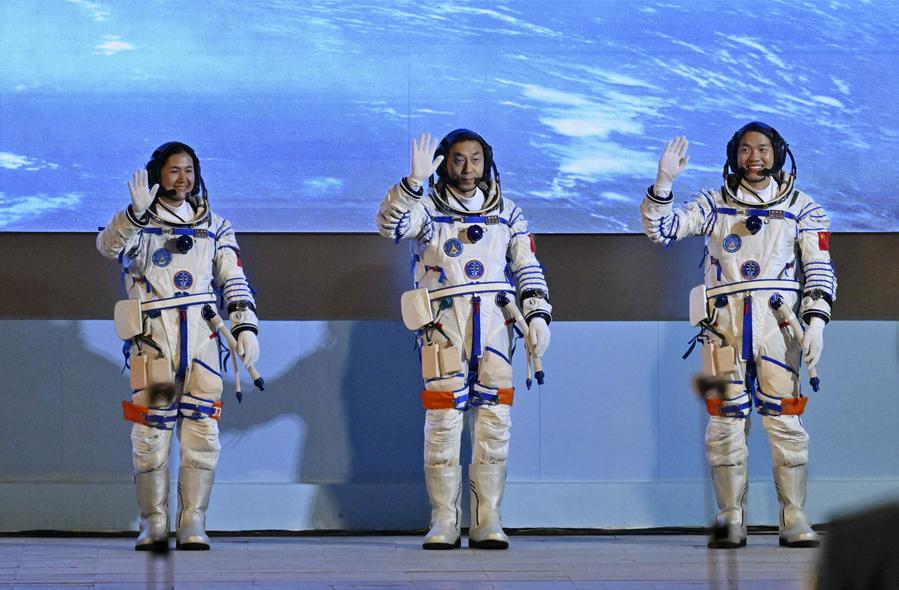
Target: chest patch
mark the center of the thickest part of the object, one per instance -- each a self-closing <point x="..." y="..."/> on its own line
<point x="474" y="269"/>
<point x="162" y="257"/>
<point x="183" y="280"/>
<point x="452" y="247"/>
<point x="732" y="243"/>
<point x="750" y="269"/>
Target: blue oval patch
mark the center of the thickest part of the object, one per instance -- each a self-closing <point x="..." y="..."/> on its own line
<point x="453" y="247"/>
<point x="732" y="243"/>
<point x="750" y="269"/>
<point x="183" y="280"/>
<point x="162" y="257"/>
<point x="474" y="269"/>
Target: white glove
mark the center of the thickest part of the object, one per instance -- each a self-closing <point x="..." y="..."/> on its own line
<point x="672" y="162"/>
<point x="141" y="195"/>
<point x="423" y="161"/>
<point x="248" y="348"/>
<point x="813" y="342"/>
<point x="538" y="335"/>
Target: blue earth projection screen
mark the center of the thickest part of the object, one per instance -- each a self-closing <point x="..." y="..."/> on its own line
<point x="302" y="113"/>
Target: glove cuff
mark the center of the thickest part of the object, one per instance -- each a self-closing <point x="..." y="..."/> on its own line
<point x="816" y="302"/>
<point x="534" y="306"/>
<point x="661" y="199"/>
<point x="243" y="319"/>
<point x="412" y="187"/>
<point x="663" y="183"/>
<point x="807" y="316"/>
<point x="539" y="314"/>
<point x="141" y="221"/>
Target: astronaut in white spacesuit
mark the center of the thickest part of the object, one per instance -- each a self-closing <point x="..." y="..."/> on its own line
<point x="767" y="253"/>
<point x="175" y="253"/>
<point x="473" y="253"/>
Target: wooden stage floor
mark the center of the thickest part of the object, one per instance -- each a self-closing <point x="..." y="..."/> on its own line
<point x="627" y="562"/>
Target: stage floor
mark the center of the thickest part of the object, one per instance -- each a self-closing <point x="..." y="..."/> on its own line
<point x="628" y="562"/>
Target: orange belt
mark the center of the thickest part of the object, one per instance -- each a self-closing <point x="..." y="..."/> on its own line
<point x="444" y="400"/>
<point x="793" y="406"/>
<point x="789" y="406"/>
<point x="162" y="418"/>
<point x="134" y="412"/>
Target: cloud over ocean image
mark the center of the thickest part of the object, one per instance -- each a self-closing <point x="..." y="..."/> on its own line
<point x="302" y="112"/>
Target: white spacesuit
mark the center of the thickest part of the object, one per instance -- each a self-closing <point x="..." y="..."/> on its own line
<point x="476" y="258"/>
<point x="174" y="260"/>
<point x="767" y="251"/>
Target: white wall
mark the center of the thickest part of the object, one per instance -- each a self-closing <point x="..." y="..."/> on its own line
<point x="614" y="438"/>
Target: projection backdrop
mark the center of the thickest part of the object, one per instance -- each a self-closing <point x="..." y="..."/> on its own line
<point x="302" y="112"/>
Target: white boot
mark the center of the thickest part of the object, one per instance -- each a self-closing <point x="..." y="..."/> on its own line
<point x="487" y="484"/>
<point x="444" y="492"/>
<point x="731" y="488"/>
<point x="152" y="499"/>
<point x="795" y="530"/>
<point x="194" y="489"/>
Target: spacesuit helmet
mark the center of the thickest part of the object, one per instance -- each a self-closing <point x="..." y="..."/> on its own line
<point x="158" y="159"/>
<point x="489" y="181"/>
<point x="734" y="175"/>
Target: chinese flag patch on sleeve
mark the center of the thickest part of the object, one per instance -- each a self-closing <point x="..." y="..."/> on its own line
<point x="824" y="240"/>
